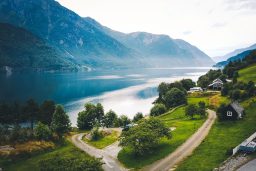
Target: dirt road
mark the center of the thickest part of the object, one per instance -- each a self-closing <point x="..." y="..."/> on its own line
<point x="108" y="154"/>
<point x="185" y="149"/>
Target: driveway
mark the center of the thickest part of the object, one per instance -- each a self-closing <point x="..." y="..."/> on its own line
<point x="108" y="154"/>
<point x="250" y="166"/>
<point x="186" y="148"/>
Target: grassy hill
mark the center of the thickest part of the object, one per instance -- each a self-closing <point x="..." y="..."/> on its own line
<point x="248" y="74"/>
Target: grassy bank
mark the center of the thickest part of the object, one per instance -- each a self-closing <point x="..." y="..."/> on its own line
<point x="248" y="74"/>
<point x="184" y="128"/>
<point x="33" y="163"/>
<point x="222" y="137"/>
<point x="104" y="141"/>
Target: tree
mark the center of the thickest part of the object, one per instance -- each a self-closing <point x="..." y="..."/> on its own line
<point x="99" y="112"/>
<point x="221" y="112"/>
<point x="47" y="109"/>
<point x="187" y="84"/>
<point x="235" y="76"/>
<point x="235" y="94"/>
<point x="201" y="109"/>
<point x="191" y="110"/>
<point x="92" y="114"/>
<point x="158" y="109"/>
<point x="138" y="117"/>
<point x="203" y="81"/>
<point x="250" y="88"/>
<point x="174" y="97"/>
<point x="145" y="136"/>
<point x="31" y="110"/>
<point x="109" y="119"/>
<point x="42" y="131"/>
<point x="60" y="121"/>
<point x="124" y="120"/>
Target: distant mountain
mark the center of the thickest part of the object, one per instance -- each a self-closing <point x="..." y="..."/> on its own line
<point x="240" y="56"/>
<point x="21" y="49"/>
<point x="234" y="53"/>
<point x="86" y="42"/>
<point x="159" y="48"/>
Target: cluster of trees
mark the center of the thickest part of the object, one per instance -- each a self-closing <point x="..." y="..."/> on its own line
<point x="231" y="70"/>
<point x="191" y="110"/>
<point x="239" y="90"/>
<point x="145" y="136"/>
<point x="171" y="95"/>
<point x="50" y="120"/>
<point x="31" y="111"/>
<point x="93" y="115"/>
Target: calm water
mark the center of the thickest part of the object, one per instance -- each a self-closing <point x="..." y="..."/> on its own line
<point x="124" y="91"/>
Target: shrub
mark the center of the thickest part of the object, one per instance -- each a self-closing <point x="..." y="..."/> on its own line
<point x="158" y="109"/>
<point x="42" y="132"/>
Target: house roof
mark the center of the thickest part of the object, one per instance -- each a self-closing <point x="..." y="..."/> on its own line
<point x="236" y="106"/>
<point x="218" y="80"/>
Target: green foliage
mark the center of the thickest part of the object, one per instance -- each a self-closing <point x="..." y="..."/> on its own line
<point x="187" y="84"/>
<point x="123" y="120"/>
<point x="191" y="110"/>
<point x="92" y="114"/>
<point x="96" y="134"/>
<point x="137" y="117"/>
<point x="158" y="109"/>
<point x="235" y="94"/>
<point x="47" y="109"/>
<point x="145" y="136"/>
<point x="42" y="131"/>
<point x="109" y="119"/>
<point x="31" y="110"/>
<point x="60" y="121"/>
<point x="174" y="97"/>
<point x="58" y="162"/>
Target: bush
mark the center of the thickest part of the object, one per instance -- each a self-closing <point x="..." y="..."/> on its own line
<point x="175" y="97"/>
<point x="158" y="109"/>
<point x="96" y="134"/>
<point x="42" y="131"/>
<point x="59" y="162"/>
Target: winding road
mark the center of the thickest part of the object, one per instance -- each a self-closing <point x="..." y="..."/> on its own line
<point x="109" y="154"/>
<point x="185" y="149"/>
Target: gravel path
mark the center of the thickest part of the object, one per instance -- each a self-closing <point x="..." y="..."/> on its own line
<point x="186" y="148"/>
<point x="108" y="154"/>
<point x="250" y="166"/>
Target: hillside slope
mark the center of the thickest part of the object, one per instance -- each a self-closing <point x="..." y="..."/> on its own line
<point x="248" y="74"/>
<point x="21" y="49"/>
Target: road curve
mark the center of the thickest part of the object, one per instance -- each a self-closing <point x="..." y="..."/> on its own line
<point x="186" y="148"/>
<point x="110" y="163"/>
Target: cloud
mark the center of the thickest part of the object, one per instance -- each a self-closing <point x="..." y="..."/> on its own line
<point x="246" y="5"/>
<point x="220" y="24"/>
<point x="187" y="32"/>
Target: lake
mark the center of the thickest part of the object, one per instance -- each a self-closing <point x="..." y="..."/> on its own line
<point x="124" y="91"/>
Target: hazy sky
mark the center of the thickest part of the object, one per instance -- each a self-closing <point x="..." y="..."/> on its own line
<point x="215" y="26"/>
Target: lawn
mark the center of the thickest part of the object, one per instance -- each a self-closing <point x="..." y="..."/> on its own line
<point x="248" y="74"/>
<point x="32" y="163"/>
<point x="222" y="137"/>
<point x="185" y="127"/>
<point x="103" y="141"/>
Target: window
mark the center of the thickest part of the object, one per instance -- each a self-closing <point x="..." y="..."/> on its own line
<point x="229" y="113"/>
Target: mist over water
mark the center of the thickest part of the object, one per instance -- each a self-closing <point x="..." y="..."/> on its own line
<point x="124" y="91"/>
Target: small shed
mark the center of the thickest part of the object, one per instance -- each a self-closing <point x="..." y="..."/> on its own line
<point x="195" y="89"/>
<point x="233" y="111"/>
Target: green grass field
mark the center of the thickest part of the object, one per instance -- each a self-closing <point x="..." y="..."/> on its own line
<point x="222" y="137"/>
<point x="248" y="74"/>
<point x="32" y="164"/>
<point x="104" y="141"/>
<point x="185" y="127"/>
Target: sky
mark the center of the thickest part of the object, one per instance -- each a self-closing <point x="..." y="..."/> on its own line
<point x="215" y="26"/>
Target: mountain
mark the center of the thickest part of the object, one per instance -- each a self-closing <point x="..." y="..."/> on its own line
<point x="86" y="42"/>
<point x="21" y="49"/>
<point x="64" y="30"/>
<point x="156" y="47"/>
<point x="233" y="53"/>
<point x="240" y="56"/>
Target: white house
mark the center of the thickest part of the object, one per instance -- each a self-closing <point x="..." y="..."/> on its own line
<point x="217" y="84"/>
<point x="196" y="89"/>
